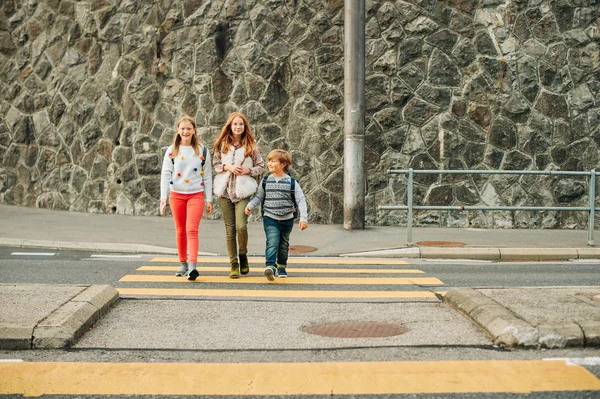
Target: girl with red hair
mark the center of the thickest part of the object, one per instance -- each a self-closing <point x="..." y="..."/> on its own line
<point x="237" y="162"/>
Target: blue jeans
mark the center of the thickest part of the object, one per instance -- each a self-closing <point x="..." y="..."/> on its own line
<point x="278" y="240"/>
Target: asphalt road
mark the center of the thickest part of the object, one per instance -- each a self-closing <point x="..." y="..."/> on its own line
<point x="81" y="267"/>
<point x="165" y="329"/>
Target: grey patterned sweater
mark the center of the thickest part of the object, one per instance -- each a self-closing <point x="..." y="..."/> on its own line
<point x="278" y="203"/>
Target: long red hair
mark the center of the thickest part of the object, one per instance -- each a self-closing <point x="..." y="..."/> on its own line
<point x="177" y="138"/>
<point x="225" y="139"/>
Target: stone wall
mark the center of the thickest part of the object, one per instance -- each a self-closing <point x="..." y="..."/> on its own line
<point x="90" y="92"/>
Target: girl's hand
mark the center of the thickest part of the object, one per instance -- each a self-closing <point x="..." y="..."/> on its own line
<point x="238" y="170"/>
<point x="163" y="206"/>
<point x="209" y="208"/>
<point x="303" y="225"/>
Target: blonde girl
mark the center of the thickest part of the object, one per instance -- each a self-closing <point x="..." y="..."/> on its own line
<point x="187" y="175"/>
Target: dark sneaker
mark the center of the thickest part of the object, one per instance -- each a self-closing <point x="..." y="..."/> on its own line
<point x="193" y="275"/>
<point x="244" y="268"/>
<point x="234" y="272"/>
<point x="183" y="270"/>
<point x="281" y="273"/>
<point x="270" y="273"/>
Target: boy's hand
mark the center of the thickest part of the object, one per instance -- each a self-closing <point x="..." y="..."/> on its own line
<point x="303" y="225"/>
<point x="248" y="210"/>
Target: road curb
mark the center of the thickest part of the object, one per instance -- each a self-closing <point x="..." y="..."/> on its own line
<point x="484" y="253"/>
<point x="70" y="321"/>
<point x="556" y="336"/>
<point x="509" y="331"/>
<point x="591" y="332"/>
<point x="505" y="329"/>
<point x="460" y="253"/>
<point x="15" y="336"/>
<point x="539" y="254"/>
<point x="474" y="253"/>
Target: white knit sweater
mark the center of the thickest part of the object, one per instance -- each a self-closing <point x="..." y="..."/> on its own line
<point x="184" y="174"/>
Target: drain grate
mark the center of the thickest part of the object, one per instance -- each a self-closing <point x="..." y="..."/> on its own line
<point x="301" y="249"/>
<point x="441" y="244"/>
<point x="355" y="329"/>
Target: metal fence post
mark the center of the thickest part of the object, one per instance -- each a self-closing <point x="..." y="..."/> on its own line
<point x="592" y="205"/>
<point x="590" y="208"/>
<point x="409" y="203"/>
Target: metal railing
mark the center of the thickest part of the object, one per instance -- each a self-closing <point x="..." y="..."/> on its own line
<point x="591" y="208"/>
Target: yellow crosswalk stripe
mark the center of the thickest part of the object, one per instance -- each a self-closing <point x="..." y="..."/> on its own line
<point x="327" y="378"/>
<point x="296" y="261"/>
<point x="292" y="280"/>
<point x="274" y="293"/>
<point x="290" y="270"/>
<point x="351" y="276"/>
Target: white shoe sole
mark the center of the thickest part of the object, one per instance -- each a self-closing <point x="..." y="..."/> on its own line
<point x="269" y="274"/>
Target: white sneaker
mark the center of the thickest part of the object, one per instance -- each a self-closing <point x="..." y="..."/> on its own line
<point x="270" y="273"/>
<point x="183" y="270"/>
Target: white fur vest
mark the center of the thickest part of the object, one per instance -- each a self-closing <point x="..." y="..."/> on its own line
<point x="245" y="185"/>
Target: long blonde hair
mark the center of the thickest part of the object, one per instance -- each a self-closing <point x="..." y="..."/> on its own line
<point x="177" y="138"/>
<point x="225" y="139"/>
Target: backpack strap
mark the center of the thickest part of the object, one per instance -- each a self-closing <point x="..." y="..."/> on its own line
<point x="293" y="194"/>
<point x="264" y="187"/>
<point x="203" y="157"/>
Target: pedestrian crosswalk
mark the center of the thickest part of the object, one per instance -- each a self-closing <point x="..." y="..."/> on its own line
<point x="295" y="261"/>
<point x="288" y="281"/>
<point x="309" y="278"/>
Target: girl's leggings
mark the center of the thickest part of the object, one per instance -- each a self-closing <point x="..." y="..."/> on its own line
<point x="187" y="211"/>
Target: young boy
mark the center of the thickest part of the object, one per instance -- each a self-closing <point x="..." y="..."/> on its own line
<point x="277" y="199"/>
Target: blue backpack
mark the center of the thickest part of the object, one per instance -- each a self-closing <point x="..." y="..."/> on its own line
<point x="292" y="192"/>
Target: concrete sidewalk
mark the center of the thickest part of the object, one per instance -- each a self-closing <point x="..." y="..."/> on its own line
<point x="533" y="317"/>
<point x="513" y="317"/>
<point x="45" y="316"/>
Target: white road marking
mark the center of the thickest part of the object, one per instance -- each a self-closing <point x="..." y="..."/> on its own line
<point x="11" y="360"/>
<point x="578" y="361"/>
<point x="33" y="253"/>
<point x="455" y="260"/>
<point x="116" y="256"/>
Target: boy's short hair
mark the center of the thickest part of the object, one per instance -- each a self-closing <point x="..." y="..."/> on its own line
<point x="282" y="156"/>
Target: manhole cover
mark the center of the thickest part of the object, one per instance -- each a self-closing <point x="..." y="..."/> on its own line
<point x="441" y="244"/>
<point x="301" y="249"/>
<point x="355" y="329"/>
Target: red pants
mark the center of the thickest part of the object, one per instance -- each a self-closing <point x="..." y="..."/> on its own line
<point x="187" y="212"/>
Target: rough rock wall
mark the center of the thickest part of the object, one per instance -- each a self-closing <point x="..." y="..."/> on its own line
<point x="90" y="92"/>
